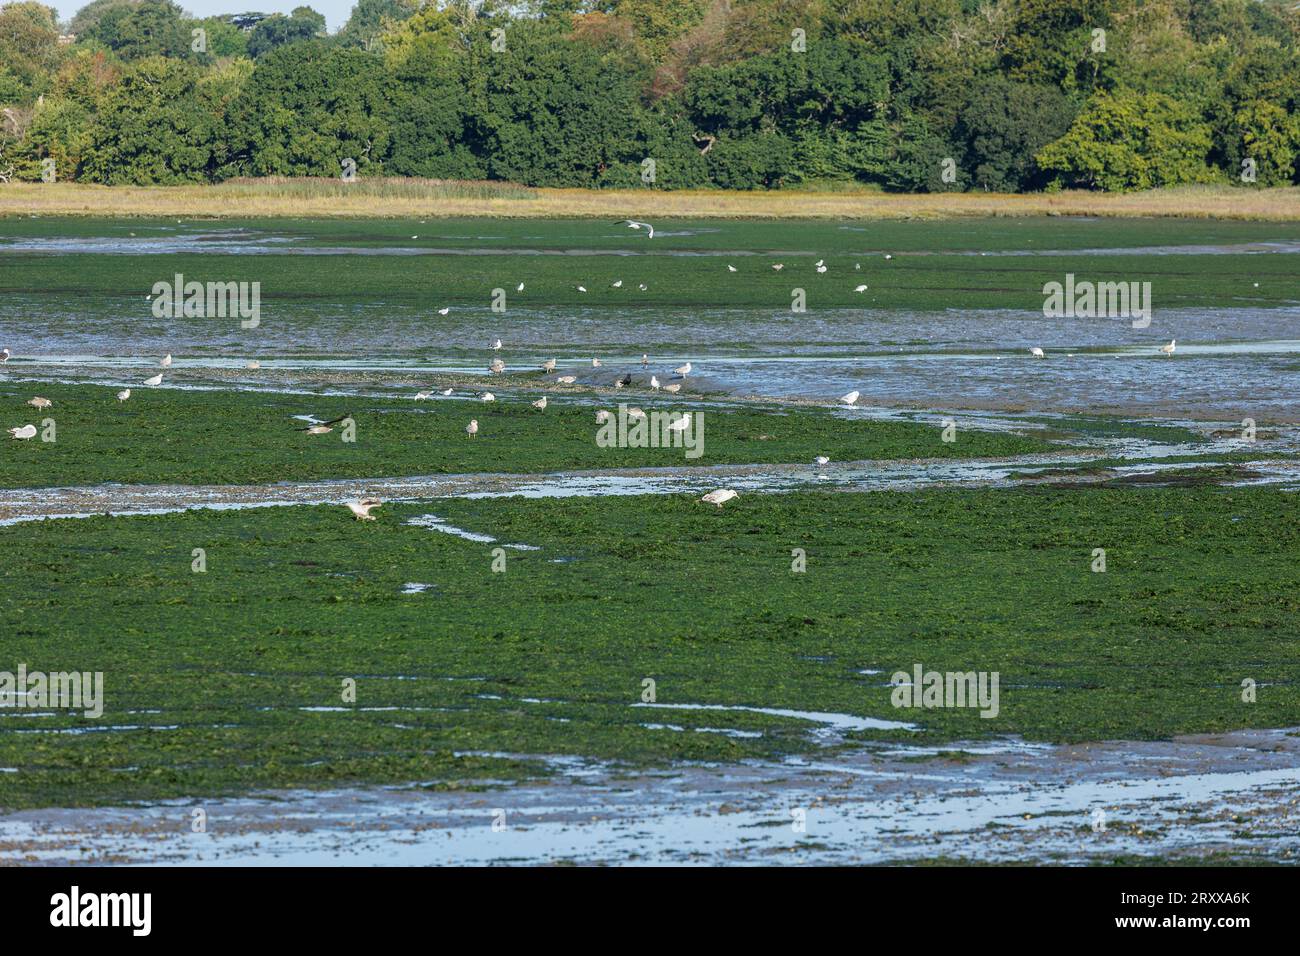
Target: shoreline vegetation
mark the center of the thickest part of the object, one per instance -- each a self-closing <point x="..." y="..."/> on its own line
<point x="394" y="198"/>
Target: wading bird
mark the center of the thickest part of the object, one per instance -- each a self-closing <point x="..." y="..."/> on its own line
<point x="719" y="497"/>
<point x="654" y="382"/>
<point x="472" y="428"/>
<point x="1036" y="352"/>
<point x="633" y="224"/>
<point x="540" y="404"/>
<point x="850" y="398"/>
<point x="156" y="380"/>
<point x="1169" y="349"/>
<point x="683" y="370"/>
<point x="361" y="509"/>
<point x="548" y="366"/>
<point x="26" y="431"/>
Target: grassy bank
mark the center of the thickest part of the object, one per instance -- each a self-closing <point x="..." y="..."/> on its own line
<point x="431" y="199"/>
<point x="231" y="679"/>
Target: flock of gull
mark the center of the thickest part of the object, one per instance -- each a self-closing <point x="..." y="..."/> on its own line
<point x="362" y="508"/>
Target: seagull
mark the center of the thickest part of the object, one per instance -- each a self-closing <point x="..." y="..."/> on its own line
<point x="567" y="379"/>
<point x="778" y="267"/>
<point x="642" y="287"/>
<point x="123" y="395"/>
<point x="520" y="287"/>
<point x="617" y="285"/>
<point x="602" y="416"/>
<point x="1036" y="352"/>
<point x="645" y="360"/>
<point x="4" y="355"/>
<point x="633" y="224"/>
<point x="156" y="380"/>
<point x="582" y="288"/>
<point x="860" y="288"/>
<point x="39" y="402"/>
<point x="719" y="497"/>
<point x="446" y="391"/>
<point x="444" y="311"/>
<point x="253" y="366"/>
<point x="548" y="365"/>
<point x="821" y="269"/>
<point x="888" y="256"/>
<point x="730" y="267"/>
<point x="323" y="428"/>
<point x="595" y="363"/>
<point x="681" y="424"/>
<point x="27" y="431"/>
<point x="674" y="388"/>
<point x="857" y="266"/>
<point x="635" y="412"/>
<point x="850" y="398"/>
<point x="496" y="345"/>
<point x="487" y="397"/>
<point x="421" y="396"/>
<point x="362" y="508"/>
<point x="497" y="366"/>
<point x="821" y="460"/>
<point x="1169" y="349"/>
<point x="683" y="370"/>
<point x="472" y="428"/>
<point x="540" y="404"/>
<point x="819" y="263"/>
<point x="166" y="362"/>
<point x="654" y="382"/>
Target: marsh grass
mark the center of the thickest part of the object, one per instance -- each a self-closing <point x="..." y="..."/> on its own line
<point x="424" y="198"/>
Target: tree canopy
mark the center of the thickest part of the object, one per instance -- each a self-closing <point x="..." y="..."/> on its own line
<point x="999" y="95"/>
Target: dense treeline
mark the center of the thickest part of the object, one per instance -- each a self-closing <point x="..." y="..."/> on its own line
<point x="1002" y="95"/>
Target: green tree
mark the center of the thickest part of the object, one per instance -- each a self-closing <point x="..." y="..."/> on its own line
<point x="1003" y="124"/>
<point x="1127" y="140"/>
<point x="153" y="128"/>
